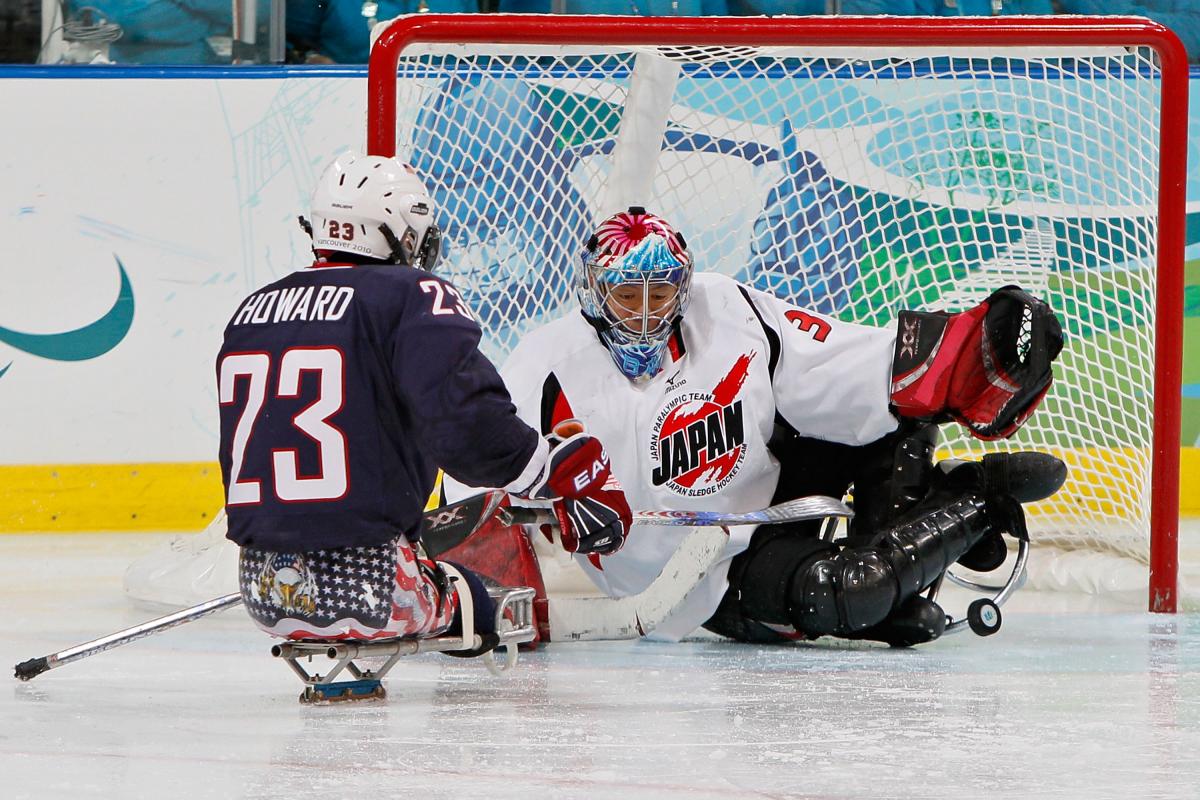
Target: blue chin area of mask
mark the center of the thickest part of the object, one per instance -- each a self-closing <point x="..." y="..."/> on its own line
<point x="636" y="360"/>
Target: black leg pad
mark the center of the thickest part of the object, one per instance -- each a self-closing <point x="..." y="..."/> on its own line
<point x="924" y="548"/>
<point x="763" y="575"/>
<point x="852" y="590"/>
<point x="787" y="578"/>
<point x="860" y="587"/>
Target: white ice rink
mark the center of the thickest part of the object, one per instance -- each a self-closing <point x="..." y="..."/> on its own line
<point x="1074" y="702"/>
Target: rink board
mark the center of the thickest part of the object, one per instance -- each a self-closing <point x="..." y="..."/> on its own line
<point x="145" y="230"/>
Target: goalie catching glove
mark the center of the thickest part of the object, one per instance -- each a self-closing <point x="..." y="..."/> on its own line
<point x="593" y="515"/>
<point x="987" y="367"/>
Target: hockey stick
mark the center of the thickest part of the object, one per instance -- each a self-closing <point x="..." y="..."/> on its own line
<point x="592" y="618"/>
<point x="459" y="519"/>
<point x="439" y="540"/>
<point x="27" y="670"/>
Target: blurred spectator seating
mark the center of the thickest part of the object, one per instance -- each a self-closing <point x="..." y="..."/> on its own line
<point x="905" y="8"/>
<point x="323" y="31"/>
<point x="1181" y="16"/>
<point x="162" y="31"/>
<point x="927" y="8"/>
<point x="642" y="8"/>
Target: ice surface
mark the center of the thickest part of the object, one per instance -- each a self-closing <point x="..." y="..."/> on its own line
<point x="1069" y="700"/>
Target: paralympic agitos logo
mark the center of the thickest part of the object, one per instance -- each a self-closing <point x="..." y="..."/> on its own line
<point x="80" y="344"/>
<point x="699" y="439"/>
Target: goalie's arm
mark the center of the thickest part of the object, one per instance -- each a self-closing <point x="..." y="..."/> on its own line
<point x="987" y="367"/>
<point x="829" y="378"/>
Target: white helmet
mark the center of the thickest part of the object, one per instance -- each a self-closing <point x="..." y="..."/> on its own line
<point x="376" y="207"/>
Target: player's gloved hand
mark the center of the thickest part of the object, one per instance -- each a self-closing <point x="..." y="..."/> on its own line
<point x="987" y="367"/>
<point x="592" y="512"/>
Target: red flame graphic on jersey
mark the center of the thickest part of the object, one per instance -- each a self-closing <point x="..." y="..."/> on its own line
<point x="705" y="439"/>
<point x="623" y="231"/>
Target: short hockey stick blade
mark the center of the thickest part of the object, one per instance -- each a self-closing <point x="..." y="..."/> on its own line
<point x="448" y="526"/>
<point x="798" y="510"/>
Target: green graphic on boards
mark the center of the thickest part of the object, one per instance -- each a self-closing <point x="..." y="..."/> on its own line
<point x="84" y="343"/>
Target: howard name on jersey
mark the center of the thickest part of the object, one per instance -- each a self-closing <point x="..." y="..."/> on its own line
<point x="342" y="389"/>
<point x="694" y="437"/>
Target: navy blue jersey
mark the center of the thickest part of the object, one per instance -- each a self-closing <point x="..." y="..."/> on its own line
<point x="342" y="389"/>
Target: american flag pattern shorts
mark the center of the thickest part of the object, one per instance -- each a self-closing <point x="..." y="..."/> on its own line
<point x="374" y="592"/>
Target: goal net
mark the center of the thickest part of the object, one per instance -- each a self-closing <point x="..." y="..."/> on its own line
<point x="855" y="167"/>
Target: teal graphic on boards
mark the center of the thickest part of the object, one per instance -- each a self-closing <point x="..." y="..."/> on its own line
<point x="83" y="343"/>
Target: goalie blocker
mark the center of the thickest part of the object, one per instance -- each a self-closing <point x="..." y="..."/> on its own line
<point x="987" y="367"/>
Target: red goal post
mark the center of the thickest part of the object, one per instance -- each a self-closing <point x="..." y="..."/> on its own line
<point x="972" y="38"/>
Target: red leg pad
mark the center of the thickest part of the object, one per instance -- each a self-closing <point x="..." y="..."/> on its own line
<point x="505" y="555"/>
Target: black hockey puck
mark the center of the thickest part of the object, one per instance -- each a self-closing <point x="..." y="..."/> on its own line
<point x="984" y="617"/>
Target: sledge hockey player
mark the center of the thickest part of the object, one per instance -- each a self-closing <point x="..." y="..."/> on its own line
<point x="343" y="386"/>
<point x="711" y="395"/>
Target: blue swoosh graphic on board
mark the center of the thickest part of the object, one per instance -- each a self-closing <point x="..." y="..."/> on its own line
<point x="83" y="343"/>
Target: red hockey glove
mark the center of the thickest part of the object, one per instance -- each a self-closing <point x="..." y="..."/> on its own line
<point x="987" y="367"/>
<point x="593" y="515"/>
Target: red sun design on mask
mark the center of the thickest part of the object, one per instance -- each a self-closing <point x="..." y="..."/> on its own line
<point x="702" y="441"/>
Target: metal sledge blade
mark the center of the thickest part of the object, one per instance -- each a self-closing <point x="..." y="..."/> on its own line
<point x="358" y="691"/>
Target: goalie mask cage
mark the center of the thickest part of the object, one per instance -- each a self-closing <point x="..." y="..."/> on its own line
<point x="855" y="167"/>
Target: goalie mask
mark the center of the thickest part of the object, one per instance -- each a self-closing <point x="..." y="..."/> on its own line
<point x="374" y="207"/>
<point x="633" y="288"/>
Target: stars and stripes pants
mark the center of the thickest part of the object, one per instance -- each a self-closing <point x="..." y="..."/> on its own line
<point x="374" y="592"/>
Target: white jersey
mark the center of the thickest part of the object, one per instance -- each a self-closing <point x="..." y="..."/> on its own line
<point x="694" y="437"/>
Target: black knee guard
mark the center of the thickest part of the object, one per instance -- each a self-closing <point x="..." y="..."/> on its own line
<point x="858" y="588"/>
<point x="846" y="592"/>
<point x="761" y="578"/>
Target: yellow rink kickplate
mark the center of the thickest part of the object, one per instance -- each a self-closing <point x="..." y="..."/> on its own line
<point x="109" y="497"/>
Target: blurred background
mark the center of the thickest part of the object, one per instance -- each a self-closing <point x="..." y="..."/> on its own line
<point x="338" y="31"/>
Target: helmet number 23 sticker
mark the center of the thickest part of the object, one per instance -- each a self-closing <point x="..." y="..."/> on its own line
<point x="341" y="230"/>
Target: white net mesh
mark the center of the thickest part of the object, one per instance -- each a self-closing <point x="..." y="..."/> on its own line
<point x="851" y="183"/>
